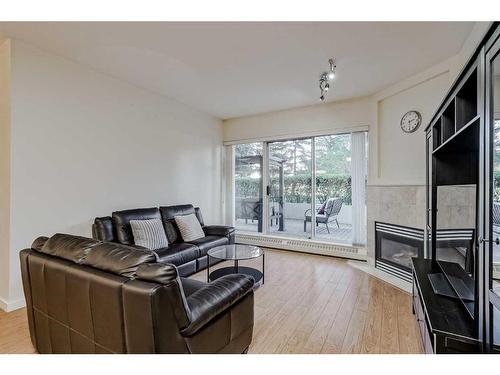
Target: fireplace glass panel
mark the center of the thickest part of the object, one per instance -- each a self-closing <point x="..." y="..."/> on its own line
<point x="397" y="252"/>
<point x="395" y="246"/>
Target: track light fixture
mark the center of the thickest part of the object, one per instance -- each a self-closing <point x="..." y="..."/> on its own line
<point x="325" y="78"/>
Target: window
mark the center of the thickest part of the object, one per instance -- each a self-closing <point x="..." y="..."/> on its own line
<point x="312" y="187"/>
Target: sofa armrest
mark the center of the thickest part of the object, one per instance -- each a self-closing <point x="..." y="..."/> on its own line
<point x="208" y="302"/>
<point x="218" y="230"/>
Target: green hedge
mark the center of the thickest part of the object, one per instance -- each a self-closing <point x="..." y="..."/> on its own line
<point x="496" y="191"/>
<point x="298" y="188"/>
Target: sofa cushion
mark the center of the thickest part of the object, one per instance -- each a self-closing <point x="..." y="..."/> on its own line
<point x="198" y="214"/>
<point x="107" y="256"/>
<point x="172" y="232"/>
<point x="191" y="285"/>
<point x="121" y="221"/>
<point x="169" y="212"/>
<point x="149" y="233"/>
<point x="178" y="253"/>
<point x="209" y="242"/>
<point x="39" y="242"/>
<point x="218" y="230"/>
<point x="321" y="210"/>
<point x="119" y="259"/>
<point x="190" y="227"/>
<point x="187" y="269"/>
<point x="67" y="246"/>
<point x="161" y="273"/>
<point x="103" y="229"/>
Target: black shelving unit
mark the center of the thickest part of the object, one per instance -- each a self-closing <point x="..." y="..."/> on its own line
<point x="444" y="325"/>
<point x="466" y="101"/>
<point x="459" y="152"/>
<point x="448" y="122"/>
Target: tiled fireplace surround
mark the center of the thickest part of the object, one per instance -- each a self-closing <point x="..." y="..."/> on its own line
<point x="401" y="205"/>
<point x="406" y="206"/>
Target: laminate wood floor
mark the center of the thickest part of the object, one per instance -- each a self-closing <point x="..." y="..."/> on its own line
<point x="308" y="304"/>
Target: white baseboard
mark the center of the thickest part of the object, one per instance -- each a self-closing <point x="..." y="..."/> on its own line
<point x="384" y="276"/>
<point x="303" y="245"/>
<point x="9" y="306"/>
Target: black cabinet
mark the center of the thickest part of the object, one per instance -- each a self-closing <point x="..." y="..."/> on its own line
<point x="491" y="236"/>
<point x="463" y="196"/>
<point x="444" y="325"/>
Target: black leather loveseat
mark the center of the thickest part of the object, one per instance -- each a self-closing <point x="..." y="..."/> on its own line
<point x="188" y="257"/>
<point x="88" y="296"/>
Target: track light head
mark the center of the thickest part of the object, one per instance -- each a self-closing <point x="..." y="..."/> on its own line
<point x="325" y="78"/>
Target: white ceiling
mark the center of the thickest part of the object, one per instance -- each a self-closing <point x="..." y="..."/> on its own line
<point x="237" y="69"/>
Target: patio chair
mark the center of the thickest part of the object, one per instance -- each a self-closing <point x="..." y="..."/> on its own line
<point x="327" y="213"/>
<point x="496" y="217"/>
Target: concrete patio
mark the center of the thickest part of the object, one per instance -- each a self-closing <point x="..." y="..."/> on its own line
<point x="295" y="228"/>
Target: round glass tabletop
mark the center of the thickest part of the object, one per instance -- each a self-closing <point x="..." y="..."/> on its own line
<point x="235" y="252"/>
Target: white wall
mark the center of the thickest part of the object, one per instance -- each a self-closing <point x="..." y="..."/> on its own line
<point x="476" y="35"/>
<point x="84" y="144"/>
<point x="4" y="170"/>
<point x="394" y="157"/>
<point x="298" y="121"/>
<point x="401" y="156"/>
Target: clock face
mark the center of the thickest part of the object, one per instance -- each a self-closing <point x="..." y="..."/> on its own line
<point x="411" y="121"/>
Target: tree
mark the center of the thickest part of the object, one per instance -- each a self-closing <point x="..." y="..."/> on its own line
<point x="333" y="167"/>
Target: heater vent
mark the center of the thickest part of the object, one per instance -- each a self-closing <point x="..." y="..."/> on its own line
<point x="307" y="246"/>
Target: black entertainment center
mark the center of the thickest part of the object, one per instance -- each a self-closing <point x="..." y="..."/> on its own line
<point x="456" y="287"/>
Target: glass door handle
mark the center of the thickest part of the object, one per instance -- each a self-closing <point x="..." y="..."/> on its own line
<point x="496" y="240"/>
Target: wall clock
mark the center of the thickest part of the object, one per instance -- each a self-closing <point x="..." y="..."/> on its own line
<point x="410" y="121"/>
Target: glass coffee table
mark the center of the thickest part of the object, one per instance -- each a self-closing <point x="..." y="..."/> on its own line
<point x="235" y="253"/>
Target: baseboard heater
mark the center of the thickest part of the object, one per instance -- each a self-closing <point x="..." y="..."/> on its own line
<point x="306" y="246"/>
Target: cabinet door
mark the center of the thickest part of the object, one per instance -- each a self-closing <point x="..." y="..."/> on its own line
<point x="492" y="198"/>
<point x="428" y="216"/>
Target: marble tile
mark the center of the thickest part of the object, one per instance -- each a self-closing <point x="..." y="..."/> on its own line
<point x="402" y="205"/>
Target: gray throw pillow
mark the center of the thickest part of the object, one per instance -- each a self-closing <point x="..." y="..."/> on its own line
<point x="149" y="233"/>
<point x="190" y="227"/>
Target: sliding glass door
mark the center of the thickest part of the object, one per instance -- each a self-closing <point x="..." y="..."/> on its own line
<point x="333" y="188"/>
<point x="290" y="187"/>
<point x="248" y="187"/>
<point x="310" y="187"/>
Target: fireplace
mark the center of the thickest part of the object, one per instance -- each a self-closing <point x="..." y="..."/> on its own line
<point x="395" y="245"/>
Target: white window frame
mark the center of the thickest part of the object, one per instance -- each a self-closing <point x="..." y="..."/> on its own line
<point x="265" y="142"/>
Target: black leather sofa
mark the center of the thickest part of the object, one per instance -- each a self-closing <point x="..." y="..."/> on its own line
<point x="87" y="296"/>
<point x="188" y="257"/>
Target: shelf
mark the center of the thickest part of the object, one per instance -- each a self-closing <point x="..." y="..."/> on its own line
<point x="445" y="314"/>
<point x="461" y="141"/>
<point x="459" y="112"/>
<point x="448" y="121"/>
<point x="436" y="135"/>
<point x="457" y="160"/>
<point x="466" y="101"/>
<point x="457" y="278"/>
